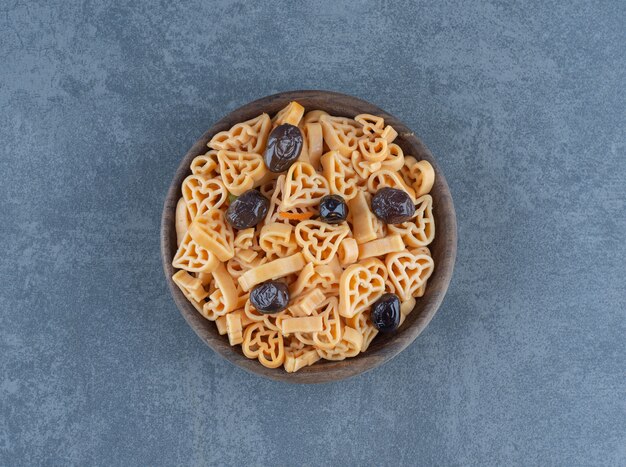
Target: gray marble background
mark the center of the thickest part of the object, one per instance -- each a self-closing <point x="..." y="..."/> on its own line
<point x="524" y="107"/>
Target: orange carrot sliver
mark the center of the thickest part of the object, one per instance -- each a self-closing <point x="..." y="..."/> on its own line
<point x="298" y="216"/>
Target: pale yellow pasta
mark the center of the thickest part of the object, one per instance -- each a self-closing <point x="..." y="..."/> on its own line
<point x="334" y="272"/>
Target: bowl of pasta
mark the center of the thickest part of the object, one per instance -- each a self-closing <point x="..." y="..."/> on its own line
<point x="298" y="237"/>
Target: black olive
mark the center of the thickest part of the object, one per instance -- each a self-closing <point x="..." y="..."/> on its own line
<point x="270" y="297"/>
<point x="247" y="210"/>
<point x="393" y="206"/>
<point x="333" y="209"/>
<point x="385" y="313"/>
<point x="284" y="146"/>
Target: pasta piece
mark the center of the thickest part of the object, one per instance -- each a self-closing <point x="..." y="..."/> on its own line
<point x="342" y="179"/>
<point x="387" y="178"/>
<point x="249" y="136"/>
<point x="361" y="285"/>
<point x="273" y="270"/>
<point x="374" y="126"/>
<point x="419" y="231"/>
<point x="408" y="272"/>
<point x="363" y="324"/>
<point x="191" y="288"/>
<point x="313" y="116"/>
<point x="364" y="223"/>
<point x="263" y="344"/>
<point x="319" y="241"/>
<point x="292" y="114"/>
<point x="182" y="220"/>
<point x="211" y="231"/>
<point x="278" y="240"/>
<point x="206" y="165"/>
<point x="381" y="246"/>
<point x="331" y="331"/>
<point x="202" y="194"/>
<point x="192" y="257"/>
<point x="406" y="307"/>
<point x="348" y="252"/>
<point x="306" y="303"/>
<point x="349" y="346"/>
<point x="224" y="282"/>
<point x="234" y="328"/>
<point x="341" y="134"/>
<point x="302" y="324"/>
<point x="323" y="277"/>
<point x="315" y="143"/>
<point x="303" y="187"/>
<point x="362" y="167"/>
<point x="394" y="160"/>
<point x="241" y="171"/>
<point x="374" y="150"/>
<point x="420" y="175"/>
<point x="220" y="324"/>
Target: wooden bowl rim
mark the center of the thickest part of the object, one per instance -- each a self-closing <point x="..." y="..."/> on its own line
<point x="379" y="352"/>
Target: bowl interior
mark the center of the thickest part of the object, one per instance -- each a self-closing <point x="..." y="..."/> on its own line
<point x="443" y="248"/>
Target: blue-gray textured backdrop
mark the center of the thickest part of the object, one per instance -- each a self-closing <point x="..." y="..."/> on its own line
<point x="524" y="107"/>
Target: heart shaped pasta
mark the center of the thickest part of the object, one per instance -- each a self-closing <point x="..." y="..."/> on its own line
<point x="201" y="194"/>
<point x="192" y="257"/>
<point x="363" y="167"/>
<point x="341" y="134"/>
<point x="361" y="284"/>
<point x="362" y="323"/>
<point x="420" y="175"/>
<point x="387" y="178"/>
<point x="374" y="150"/>
<point x="191" y="287"/>
<point x="349" y="346"/>
<point x="342" y="178"/>
<point x="419" y="231"/>
<point x="249" y="136"/>
<point x="374" y="127"/>
<point x="319" y="241"/>
<point x="324" y="278"/>
<point x="206" y="165"/>
<point x="278" y="240"/>
<point x="394" y="160"/>
<point x="264" y="344"/>
<point x="331" y="323"/>
<point x="408" y="272"/>
<point x="298" y="355"/>
<point x="241" y="170"/>
<point x="303" y="187"/>
<point x="211" y="231"/>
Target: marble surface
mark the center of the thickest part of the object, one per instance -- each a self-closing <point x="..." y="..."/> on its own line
<point x="524" y="106"/>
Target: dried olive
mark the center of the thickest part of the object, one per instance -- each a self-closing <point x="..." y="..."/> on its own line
<point x="270" y="297"/>
<point x="284" y="146"/>
<point x="247" y="210"/>
<point x="385" y="313"/>
<point x="393" y="206"/>
<point x="333" y="209"/>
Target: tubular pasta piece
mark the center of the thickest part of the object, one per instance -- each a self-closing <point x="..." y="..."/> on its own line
<point x="273" y="270"/>
<point x="306" y="303"/>
<point x="292" y="114"/>
<point x="234" y="329"/>
<point x="211" y="231"/>
<point x="364" y="223"/>
<point x="381" y="246"/>
<point x="315" y="143"/>
<point x="348" y="252"/>
<point x="224" y="282"/>
<point x="182" y="220"/>
<point x="302" y="324"/>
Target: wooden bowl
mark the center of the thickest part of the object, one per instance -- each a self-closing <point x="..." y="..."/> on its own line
<point x="384" y="347"/>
